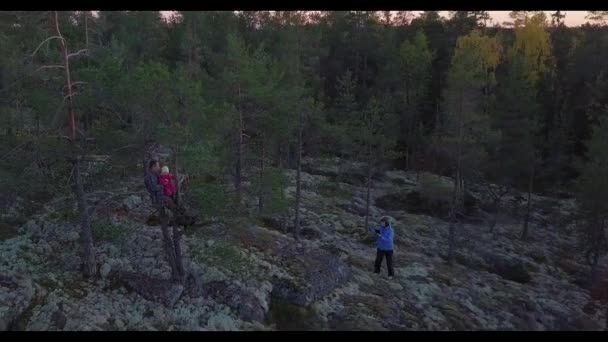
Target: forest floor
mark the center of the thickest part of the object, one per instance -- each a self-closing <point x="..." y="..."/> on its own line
<point x="254" y="276"/>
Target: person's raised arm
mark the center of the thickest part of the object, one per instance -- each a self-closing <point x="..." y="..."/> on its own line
<point x="386" y="235"/>
<point x="390" y="233"/>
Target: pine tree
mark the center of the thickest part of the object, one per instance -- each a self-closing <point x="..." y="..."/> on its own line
<point x="416" y="60"/>
<point x="339" y="119"/>
<point x="374" y="136"/>
<point x="516" y="157"/>
<point x="77" y="148"/>
<point x="235" y="78"/>
<point x="532" y="48"/>
<point x="592" y="196"/>
<point x="467" y="124"/>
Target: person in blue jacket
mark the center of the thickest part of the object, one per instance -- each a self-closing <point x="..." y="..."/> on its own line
<point x="384" y="235"/>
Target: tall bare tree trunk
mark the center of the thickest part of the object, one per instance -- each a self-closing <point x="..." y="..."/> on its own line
<point x="239" y="152"/>
<point x="21" y="120"/>
<point x="177" y="244"/>
<point x="168" y="242"/>
<point x="438" y="109"/>
<point x="177" y="236"/>
<point x="285" y="215"/>
<point x="88" y="253"/>
<point x="369" y="186"/>
<point x="261" y="189"/>
<point x="457" y="183"/>
<point x="524" y="232"/>
<point x="280" y="159"/>
<point x="339" y="177"/>
<point x="494" y="219"/>
<point x="10" y="136"/>
<point x="176" y="171"/>
<point x="299" y="179"/>
<point x="86" y="29"/>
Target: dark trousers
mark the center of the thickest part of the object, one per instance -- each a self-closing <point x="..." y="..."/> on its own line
<point x="380" y="254"/>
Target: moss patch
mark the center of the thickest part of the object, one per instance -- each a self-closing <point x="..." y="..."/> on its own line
<point x="74" y="288"/>
<point x="368" y="239"/>
<point x="106" y="231"/>
<point x="258" y="239"/>
<point x="224" y="256"/>
<point x="49" y="284"/>
<point x="435" y="188"/>
<point x="64" y="215"/>
<point x="332" y="189"/>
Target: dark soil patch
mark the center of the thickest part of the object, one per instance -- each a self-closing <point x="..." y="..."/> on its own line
<point x="415" y="203"/>
<point x="7" y="231"/>
<point x="273" y="223"/>
<point x="310" y="234"/>
<point x="153" y="221"/>
<point x="290" y="317"/>
<point x="514" y="271"/>
<point x="412" y="202"/>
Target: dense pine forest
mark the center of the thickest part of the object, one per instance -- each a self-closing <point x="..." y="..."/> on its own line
<point x="240" y="104"/>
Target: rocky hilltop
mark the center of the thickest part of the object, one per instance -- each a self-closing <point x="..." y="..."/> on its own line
<point x="253" y="276"/>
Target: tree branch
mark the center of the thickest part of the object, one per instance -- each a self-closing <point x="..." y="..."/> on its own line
<point x="70" y="95"/>
<point x="57" y="26"/>
<point x="14" y="150"/>
<point x="73" y="84"/>
<point x="78" y="53"/>
<point x="44" y="41"/>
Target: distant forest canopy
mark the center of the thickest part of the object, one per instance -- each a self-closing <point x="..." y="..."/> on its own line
<point x="138" y="75"/>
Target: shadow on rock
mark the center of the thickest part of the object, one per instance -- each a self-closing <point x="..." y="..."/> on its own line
<point x="247" y="306"/>
<point x="153" y="289"/>
<point x="318" y="273"/>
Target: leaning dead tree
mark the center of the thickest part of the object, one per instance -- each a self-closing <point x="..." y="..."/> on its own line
<point x="76" y="148"/>
<point x="301" y="123"/>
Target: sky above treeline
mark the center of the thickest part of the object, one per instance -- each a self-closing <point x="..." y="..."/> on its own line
<point x="573" y="18"/>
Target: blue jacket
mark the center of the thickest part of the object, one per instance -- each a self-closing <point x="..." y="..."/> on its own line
<point x="385" y="238"/>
